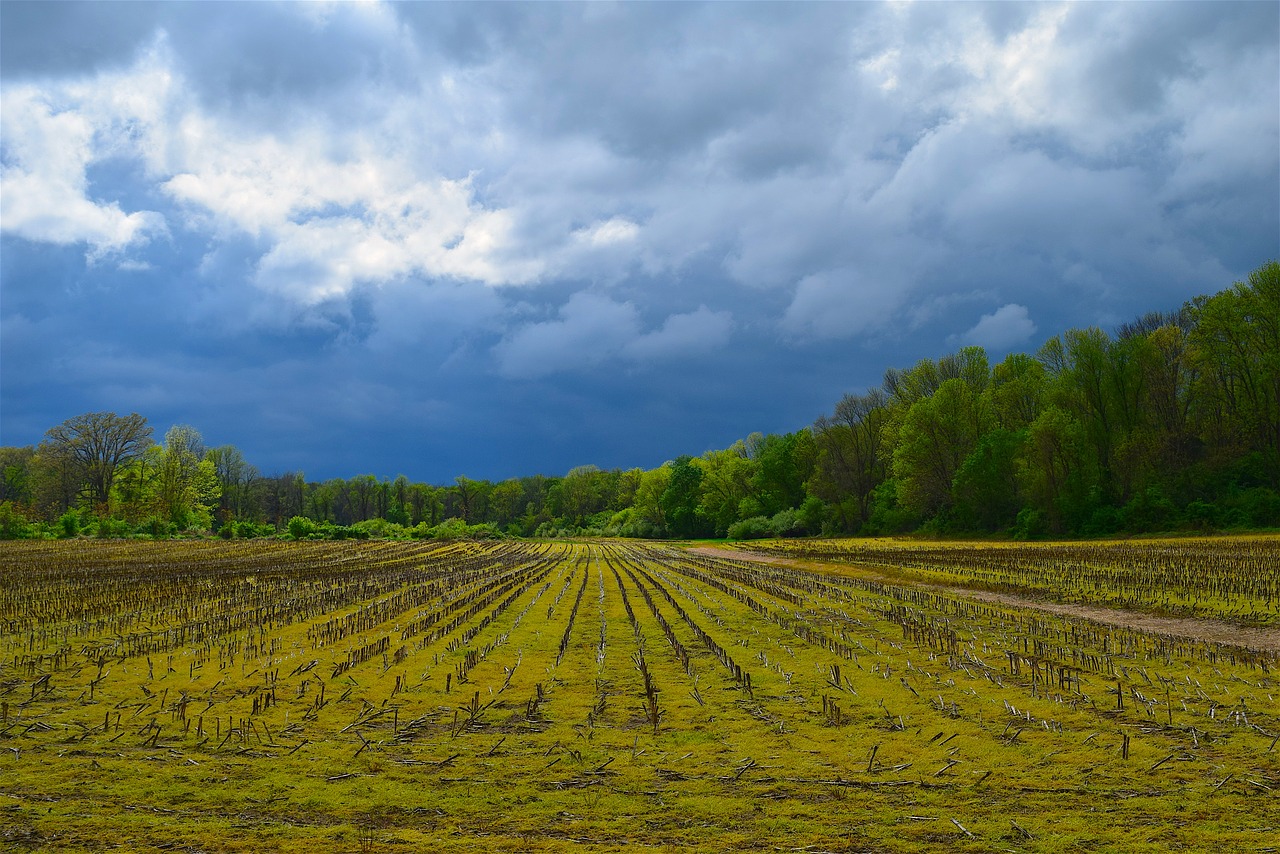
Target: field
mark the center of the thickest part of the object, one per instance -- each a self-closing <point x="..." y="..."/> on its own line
<point x="393" y="696"/>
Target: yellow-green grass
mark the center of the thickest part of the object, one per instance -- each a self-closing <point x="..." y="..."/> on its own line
<point x="1234" y="578"/>
<point x="487" y="736"/>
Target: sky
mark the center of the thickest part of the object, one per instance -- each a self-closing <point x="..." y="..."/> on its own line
<point x="498" y="240"/>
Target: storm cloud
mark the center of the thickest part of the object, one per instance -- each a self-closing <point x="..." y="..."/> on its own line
<point x="500" y="239"/>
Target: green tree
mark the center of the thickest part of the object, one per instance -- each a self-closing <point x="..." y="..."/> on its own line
<point x="467" y="499"/>
<point x="985" y="487"/>
<point x="680" y="499"/>
<point x="1016" y="394"/>
<point x="784" y="464"/>
<point x="1055" y="468"/>
<point x="581" y="493"/>
<point x="235" y="475"/>
<point x="187" y="482"/>
<point x="648" y="501"/>
<point x="937" y="434"/>
<point x="15" y="474"/>
<point x="1237" y="355"/>
<point x="850" y="464"/>
<point x="100" y="443"/>
<point x="13" y="525"/>
<point x="726" y="479"/>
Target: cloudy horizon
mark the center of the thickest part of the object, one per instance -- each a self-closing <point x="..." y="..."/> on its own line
<point x="497" y="240"/>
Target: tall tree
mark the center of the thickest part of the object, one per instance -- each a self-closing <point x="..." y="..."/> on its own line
<point x="726" y="481"/>
<point x="468" y="499"/>
<point x="1056" y="468"/>
<point x="850" y="464"/>
<point x="1237" y="338"/>
<point x="187" y="482"/>
<point x="937" y="434"/>
<point x="101" y="442"/>
<point x="581" y="493"/>
<point x="784" y="464"/>
<point x="235" y="474"/>
<point x="680" y="499"/>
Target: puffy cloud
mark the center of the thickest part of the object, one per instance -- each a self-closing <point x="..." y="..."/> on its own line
<point x="590" y="329"/>
<point x="613" y="231"/>
<point x="333" y="209"/>
<point x="334" y="220"/>
<point x="48" y="147"/>
<point x="1002" y="329"/>
<point x="842" y="304"/>
<point x="593" y="329"/>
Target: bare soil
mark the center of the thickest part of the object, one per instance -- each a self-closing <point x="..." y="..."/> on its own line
<point x="1198" y="628"/>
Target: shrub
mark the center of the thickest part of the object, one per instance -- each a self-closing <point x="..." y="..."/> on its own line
<point x="1149" y="510"/>
<point x="300" y="527"/>
<point x="1202" y="515"/>
<point x="1031" y="524"/>
<point x="755" y="528"/>
<point x="155" y="527"/>
<point x="13" y="526"/>
<point x="113" y="528"/>
<point x="246" y="530"/>
<point x="68" y="525"/>
<point x="787" y="523"/>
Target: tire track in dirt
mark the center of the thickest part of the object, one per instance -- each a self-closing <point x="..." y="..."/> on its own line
<point x="1254" y="638"/>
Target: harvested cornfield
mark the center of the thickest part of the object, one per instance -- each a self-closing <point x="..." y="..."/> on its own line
<point x="391" y="696"/>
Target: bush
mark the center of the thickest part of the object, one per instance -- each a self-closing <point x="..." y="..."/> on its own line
<point x="457" y="529"/>
<point x="13" y="525"/>
<point x="300" y="527"/>
<point x="755" y="528"/>
<point x="247" y="530"/>
<point x="787" y="523"/>
<point x="1257" y="507"/>
<point x="113" y="528"/>
<point x="887" y="516"/>
<point x="157" y="528"/>
<point x="449" y="529"/>
<point x="813" y="512"/>
<point x="1149" y="510"/>
<point x="68" y="525"/>
<point x="1202" y="515"/>
<point x="1103" y="521"/>
<point x="1031" y="524"/>
<point x="382" y="529"/>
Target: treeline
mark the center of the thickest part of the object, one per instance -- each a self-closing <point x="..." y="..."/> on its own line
<point x="1170" y="422"/>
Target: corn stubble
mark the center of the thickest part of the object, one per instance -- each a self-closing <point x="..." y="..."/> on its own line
<point x="233" y="696"/>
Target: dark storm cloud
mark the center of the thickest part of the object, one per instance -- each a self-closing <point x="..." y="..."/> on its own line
<point x="497" y="239"/>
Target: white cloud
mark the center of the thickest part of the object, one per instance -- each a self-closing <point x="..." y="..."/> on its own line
<point x="1006" y="326"/>
<point x="48" y="147"/>
<point x="614" y="230"/>
<point x="333" y="207"/>
<point x="336" y="220"/>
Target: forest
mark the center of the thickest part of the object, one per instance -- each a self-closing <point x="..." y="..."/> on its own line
<point x="1169" y="422"/>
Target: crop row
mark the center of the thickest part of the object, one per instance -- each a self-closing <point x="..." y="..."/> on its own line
<point x="1236" y="578"/>
<point x="531" y="672"/>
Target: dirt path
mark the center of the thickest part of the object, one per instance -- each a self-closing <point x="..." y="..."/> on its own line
<point x="1199" y="628"/>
